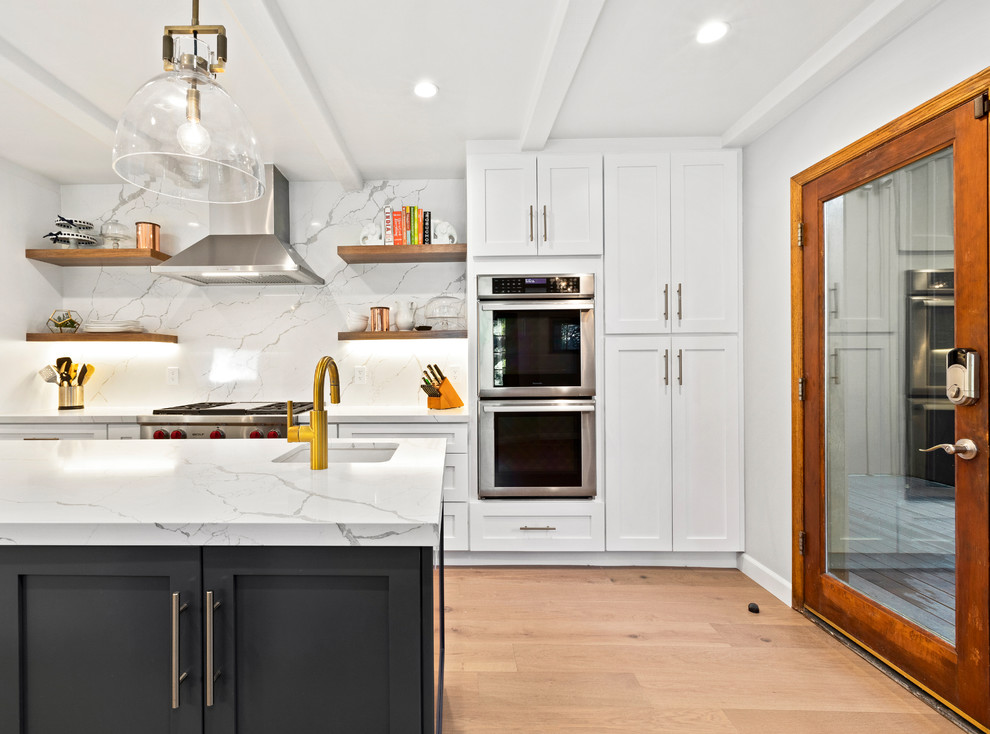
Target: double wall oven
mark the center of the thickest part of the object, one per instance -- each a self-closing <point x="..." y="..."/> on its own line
<point x="536" y="386"/>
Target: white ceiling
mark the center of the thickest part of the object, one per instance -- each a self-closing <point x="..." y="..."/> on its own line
<point x="327" y="83"/>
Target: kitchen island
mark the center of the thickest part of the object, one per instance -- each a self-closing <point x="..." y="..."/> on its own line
<point x="205" y="587"/>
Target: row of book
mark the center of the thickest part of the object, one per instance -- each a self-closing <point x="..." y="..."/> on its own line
<point x="408" y="225"/>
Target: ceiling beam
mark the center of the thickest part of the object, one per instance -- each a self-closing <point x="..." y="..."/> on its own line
<point x="573" y="25"/>
<point x="24" y="74"/>
<point x="265" y="27"/>
<point x="862" y="36"/>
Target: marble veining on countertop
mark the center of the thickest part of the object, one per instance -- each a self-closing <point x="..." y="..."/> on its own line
<point x="217" y="493"/>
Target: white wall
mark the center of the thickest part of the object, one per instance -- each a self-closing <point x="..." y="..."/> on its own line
<point x="235" y="342"/>
<point x="28" y="207"/>
<point x="941" y="49"/>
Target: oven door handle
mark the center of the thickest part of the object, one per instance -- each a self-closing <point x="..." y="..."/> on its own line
<point x="538" y="408"/>
<point x="536" y="305"/>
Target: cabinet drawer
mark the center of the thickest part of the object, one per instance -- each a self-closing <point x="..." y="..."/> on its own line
<point x="537" y="526"/>
<point x="123" y="431"/>
<point x="455" y="526"/>
<point x="455" y="433"/>
<point x="455" y="478"/>
<point x="52" y="431"/>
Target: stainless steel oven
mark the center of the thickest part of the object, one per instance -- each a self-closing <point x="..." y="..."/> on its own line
<point x="930" y="329"/>
<point x="536" y="448"/>
<point x="536" y="336"/>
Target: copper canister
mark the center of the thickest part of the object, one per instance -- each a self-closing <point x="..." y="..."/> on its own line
<point x="148" y="234"/>
<point x="379" y="318"/>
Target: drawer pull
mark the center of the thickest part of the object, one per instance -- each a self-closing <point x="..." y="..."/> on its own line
<point x="211" y="676"/>
<point x="47" y="438"/>
<point x="545" y="527"/>
<point x="177" y="677"/>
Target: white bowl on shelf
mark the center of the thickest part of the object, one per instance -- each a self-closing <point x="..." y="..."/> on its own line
<point x="356" y="322"/>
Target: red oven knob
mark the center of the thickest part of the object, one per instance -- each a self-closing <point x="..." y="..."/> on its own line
<point x="274" y="434"/>
<point x="256" y="434"/>
<point x="159" y="434"/>
<point x="178" y="433"/>
<point x="218" y="434"/>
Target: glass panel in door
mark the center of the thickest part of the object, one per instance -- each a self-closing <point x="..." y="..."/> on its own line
<point x="888" y="316"/>
<point x="537" y="348"/>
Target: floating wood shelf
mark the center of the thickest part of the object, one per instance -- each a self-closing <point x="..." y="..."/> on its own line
<point x="358" y="254"/>
<point x="119" y="336"/>
<point x="98" y="257"/>
<point x="380" y="335"/>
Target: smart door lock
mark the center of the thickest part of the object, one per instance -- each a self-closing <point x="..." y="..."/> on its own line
<point x="962" y="376"/>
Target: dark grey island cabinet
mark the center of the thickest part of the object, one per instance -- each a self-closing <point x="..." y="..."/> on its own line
<point x="219" y="640"/>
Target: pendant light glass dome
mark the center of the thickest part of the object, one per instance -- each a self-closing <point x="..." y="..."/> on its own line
<point x="181" y="135"/>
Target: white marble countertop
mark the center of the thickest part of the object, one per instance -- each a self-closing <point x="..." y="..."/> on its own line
<point x="216" y="493"/>
<point x="337" y="414"/>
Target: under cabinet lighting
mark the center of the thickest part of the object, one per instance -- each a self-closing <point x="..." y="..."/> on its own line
<point x="228" y="273"/>
<point x="712" y="31"/>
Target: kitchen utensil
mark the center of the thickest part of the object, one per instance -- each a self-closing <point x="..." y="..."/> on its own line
<point x="434" y="374"/>
<point x="379" y="318"/>
<point x="48" y="374"/>
<point x="148" y="235"/>
<point x="437" y="368"/>
<point x="85" y="373"/>
<point x="70" y="397"/>
<point x="73" y="370"/>
<point x="62" y="366"/>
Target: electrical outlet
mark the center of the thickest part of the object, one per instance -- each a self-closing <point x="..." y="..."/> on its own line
<point x="171" y="375"/>
<point x="454" y="373"/>
<point x="360" y="374"/>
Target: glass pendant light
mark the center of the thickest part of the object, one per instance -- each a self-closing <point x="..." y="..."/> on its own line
<point x="181" y="134"/>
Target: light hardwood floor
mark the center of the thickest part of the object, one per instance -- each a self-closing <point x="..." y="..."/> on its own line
<point x="642" y="650"/>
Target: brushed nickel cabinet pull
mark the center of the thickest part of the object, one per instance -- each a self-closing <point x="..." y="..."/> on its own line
<point x="38" y="438"/>
<point x="680" y="315"/>
<point x="666" y="301"/>
<point x="210" y="677"/>
<point x="544" y="222"/>
<point x="680" y="366"/>
<point x="177" y="678"/>
<point x="546" y="527"/>
<point x="666" y="367"/>
<point x="530" y="222"/>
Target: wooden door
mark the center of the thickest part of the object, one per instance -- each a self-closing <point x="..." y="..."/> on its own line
<point x="896" y="551"/>
<point x="569" y="193"/>
<point x="637" y="250"/>
<point x="502" y="212"/>
<point x="704" y="241"/>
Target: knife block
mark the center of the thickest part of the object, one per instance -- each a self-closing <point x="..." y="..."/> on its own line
<point x="448" y="397"/>
<point x="70" y="397"/>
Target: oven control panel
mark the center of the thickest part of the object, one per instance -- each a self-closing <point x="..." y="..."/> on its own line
<point x="566" y="286"/>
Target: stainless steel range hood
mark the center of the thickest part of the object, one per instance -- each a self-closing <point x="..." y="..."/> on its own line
<point x="247" y="244"/>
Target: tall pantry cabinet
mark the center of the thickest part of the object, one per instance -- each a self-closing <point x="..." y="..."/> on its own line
<point x="672" y="380"/>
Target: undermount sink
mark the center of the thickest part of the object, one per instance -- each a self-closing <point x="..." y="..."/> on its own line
<point x="377" y="453"/>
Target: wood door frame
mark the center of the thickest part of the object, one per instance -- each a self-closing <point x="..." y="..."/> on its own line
<point x="956" y="663"/>
<point x="951" y="98"/>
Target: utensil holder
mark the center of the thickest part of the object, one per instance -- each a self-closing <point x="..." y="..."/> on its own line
<point x="448" y="397"/>
<point x="147" y="236"/>
<point x="379" y="318"/>
<point x="70" y="397"/>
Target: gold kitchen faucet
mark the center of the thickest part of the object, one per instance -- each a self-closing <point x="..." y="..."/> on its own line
<point x="316" y="432"/>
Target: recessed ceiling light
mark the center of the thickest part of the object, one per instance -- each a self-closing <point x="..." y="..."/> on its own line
<point x="426" y="89"/>
<point x="712" y="31"/>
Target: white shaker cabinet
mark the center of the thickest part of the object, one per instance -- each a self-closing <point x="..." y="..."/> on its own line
<point x="52" y="431"/>
<point x="528" y="204"/>
<point x="672" y="452"/>
<point x="672" y="242"/>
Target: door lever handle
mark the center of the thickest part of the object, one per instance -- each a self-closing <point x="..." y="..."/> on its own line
<point x="964" y="447"/>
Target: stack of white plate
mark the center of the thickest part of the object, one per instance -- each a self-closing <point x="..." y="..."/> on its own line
<point x="112" y="326"/>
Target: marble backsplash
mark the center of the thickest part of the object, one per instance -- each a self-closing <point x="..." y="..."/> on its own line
<point x="260" y="342"/>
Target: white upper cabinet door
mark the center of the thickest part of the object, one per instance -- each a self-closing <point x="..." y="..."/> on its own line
<point x="637" y="443"/>
<point x="502" y="211"/>
<point x="704" y="246"/>
<point x="707" y="496"/>
<point x="569" y="193"/>
<point x="637" y="244"/>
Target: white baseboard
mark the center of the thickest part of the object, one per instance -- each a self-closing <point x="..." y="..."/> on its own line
<point x="772" y="582"/>
<point x="571" y="558"/>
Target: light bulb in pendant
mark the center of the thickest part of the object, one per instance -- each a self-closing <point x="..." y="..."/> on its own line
<point x="193" y="137"/>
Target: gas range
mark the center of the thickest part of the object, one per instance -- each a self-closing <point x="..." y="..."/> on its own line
<point x="220" y="420"/>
